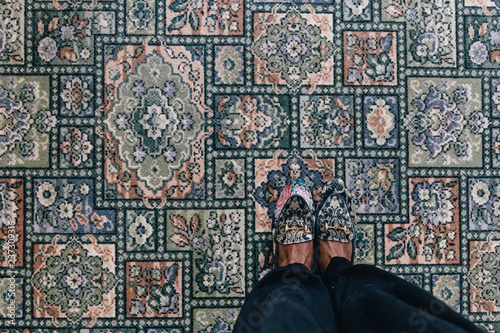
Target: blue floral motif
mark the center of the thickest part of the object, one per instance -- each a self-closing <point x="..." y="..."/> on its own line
<point x="293" y="48"/>
<point x="445" y="122"/>
<point x="64" y="38"/>
<point x="370" y="58"/>
<point x="67" y="206"/>
<point x="373" y="185"/>
<point x="327" y="121"/>
<point x="17" y="121"/>
<point x="432" y="203"/>
<point x="495" y="138"/>
<point x="220" y="326"/>
<point x="104" y="22"/>
<point x="478" y="53"/>
<point x="495" y="97"/>
<point x="484" y="204"/>
<point x="431" y="30"/>
<point x="72" y="288"/>
<point x="437" y="122"/>
<point x="482" y="45"/>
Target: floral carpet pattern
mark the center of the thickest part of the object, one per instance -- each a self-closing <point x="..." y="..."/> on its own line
<point x="144" y="145"/>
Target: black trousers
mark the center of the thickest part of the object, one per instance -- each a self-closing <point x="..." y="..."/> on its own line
<point x="348" y="298"/>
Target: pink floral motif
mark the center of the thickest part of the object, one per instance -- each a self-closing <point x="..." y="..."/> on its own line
<point x="380" y="121"/>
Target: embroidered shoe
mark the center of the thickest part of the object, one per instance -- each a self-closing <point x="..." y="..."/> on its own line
<point x="294" y="216"/>
<point x="336" y="215"/>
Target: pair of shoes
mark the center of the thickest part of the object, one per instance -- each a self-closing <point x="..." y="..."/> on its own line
<point x="296" y="220"/>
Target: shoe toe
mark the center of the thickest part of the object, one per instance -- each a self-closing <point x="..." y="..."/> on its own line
<point x="295" y="223"/>
<point x="334" y="220"/>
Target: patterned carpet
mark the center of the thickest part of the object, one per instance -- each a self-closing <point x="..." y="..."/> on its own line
<point x="143" y="146"/>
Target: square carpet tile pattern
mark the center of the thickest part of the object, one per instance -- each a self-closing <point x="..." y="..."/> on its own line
<point x="144" y="144"/>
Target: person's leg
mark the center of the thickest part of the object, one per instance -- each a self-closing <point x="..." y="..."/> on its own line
<point x="290" y="298"/>
<point x="368" y="299"/>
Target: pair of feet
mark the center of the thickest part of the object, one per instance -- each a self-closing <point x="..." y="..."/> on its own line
<point x="302" y="253"/>
<point x="297" y="224"/>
